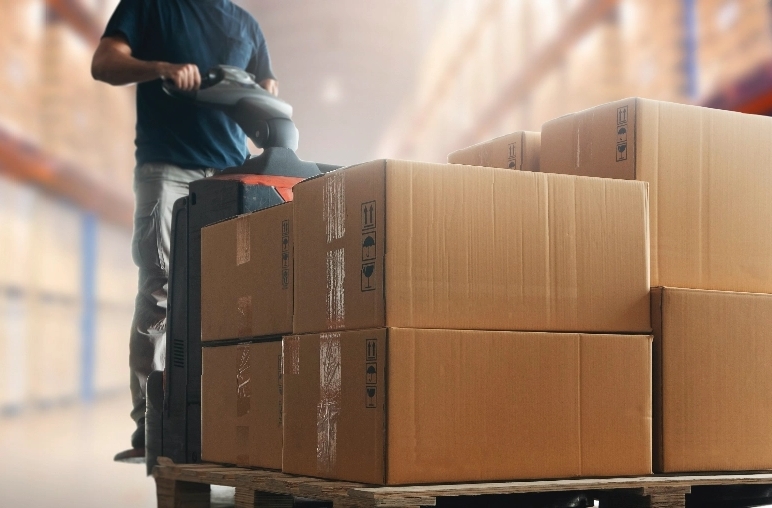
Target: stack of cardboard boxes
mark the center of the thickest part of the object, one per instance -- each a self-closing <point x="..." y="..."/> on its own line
<point x="21" y="42"/>
<point x="596" y="68"/>
<point x="709" y="183"/>
<point x="70" y="111"/>
<point x="655" y="61"/>
<point x="460" y="323"/>
<point x="246" y="303"/>
<point x="733" y="41"/>
<point x="453" y="322"/>
<point x="53" y="284"/>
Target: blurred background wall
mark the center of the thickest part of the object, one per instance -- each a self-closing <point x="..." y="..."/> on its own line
<point x="383" y="78"/>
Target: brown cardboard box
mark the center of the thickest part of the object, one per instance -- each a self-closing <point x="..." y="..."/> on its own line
<point x="241" y="404"/>
<point x="709" y="184"/>
<point x="246" y="276"/>
<point x="461" y="406"/>
<point x="417" y="245"/>
<point x="712" y="389"/>
<point x="519" y="150"/>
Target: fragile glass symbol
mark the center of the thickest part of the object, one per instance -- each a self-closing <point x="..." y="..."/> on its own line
<point x="368" y="270"/>
<point x="371" y="391"/>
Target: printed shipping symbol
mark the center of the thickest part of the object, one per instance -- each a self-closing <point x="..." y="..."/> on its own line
<point x="372" y="374"/>
<point x="512" y="156"/>
<point x="368" y="270"/>
<point x="372" y="349"/>
<point x="368" y="215"/>
<point x="621" y="143"/>
<point x="368" y="246"/>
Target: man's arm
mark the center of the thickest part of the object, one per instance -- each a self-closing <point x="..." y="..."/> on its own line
<point x="114" y="64"/>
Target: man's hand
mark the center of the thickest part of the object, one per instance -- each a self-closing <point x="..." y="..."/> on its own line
<point x="271" y="85"/>
<point x="186" y="77"/>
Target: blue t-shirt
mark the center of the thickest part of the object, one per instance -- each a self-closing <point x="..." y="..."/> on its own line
<point x="201" y="32"/>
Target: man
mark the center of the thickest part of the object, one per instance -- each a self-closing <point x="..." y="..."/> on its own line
<point x="146" y="42"/>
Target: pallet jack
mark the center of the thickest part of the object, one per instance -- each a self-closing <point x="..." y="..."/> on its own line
<point x="173" y="416"/>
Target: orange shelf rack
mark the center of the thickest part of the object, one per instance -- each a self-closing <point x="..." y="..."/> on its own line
<point x="753" y="94"/>
<point x="78" y="17"/>
<point x="25" y="161"/>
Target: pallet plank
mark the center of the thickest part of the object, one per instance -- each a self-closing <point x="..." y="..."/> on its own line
<point x="247" y="498"/>
<point x="190" y="483"/>
<point x="667" y="497"/>
<point x="178" y="494"/>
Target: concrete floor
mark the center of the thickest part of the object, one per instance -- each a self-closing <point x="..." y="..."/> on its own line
<point x="62" y="457"/>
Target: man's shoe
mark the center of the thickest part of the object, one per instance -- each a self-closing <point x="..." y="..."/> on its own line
<point x="131" y="456"/>
<point x="138" y="437"/>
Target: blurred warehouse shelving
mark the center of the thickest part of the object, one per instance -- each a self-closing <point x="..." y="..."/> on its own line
<point x="67" y="281"/>
<point x="496" y="66"/>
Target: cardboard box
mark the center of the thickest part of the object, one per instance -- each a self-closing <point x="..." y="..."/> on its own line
<point x="246" y="276"/>
<point x="709" y="184"/>
<point x="53" y="350"/>
<point x="417" y="245"/>
<point x="460" y="406"/>
<point x="241" y="404"/>
<point x="712" y="389"/>
<point x="519" y="150"/>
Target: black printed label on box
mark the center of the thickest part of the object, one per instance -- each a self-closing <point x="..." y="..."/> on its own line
<point x="369" y="247"/>
<point x="371" y="373"/>
<point x="372" y="396"/>
<point x="512" y="156"/>
<point x="285" y="256"/>
<point x="622" y="130"/>
<point x="368" y="215"/>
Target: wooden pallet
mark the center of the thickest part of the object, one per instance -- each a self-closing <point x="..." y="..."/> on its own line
<point x="188" y="486"/>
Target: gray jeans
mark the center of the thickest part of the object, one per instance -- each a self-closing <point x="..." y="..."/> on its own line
<point x="156" y="187"/>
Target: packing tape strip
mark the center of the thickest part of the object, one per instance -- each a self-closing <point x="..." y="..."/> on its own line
<point x="243" y="380"/>
<point x="245" y="316"/>
<point x="336" y="301"/>
<point x="243" y="242"/>
<point x="291" y="355"/>
<point x="243" y="403"/>
<point x="328" y="409"/>
<point x="335" y="206"/>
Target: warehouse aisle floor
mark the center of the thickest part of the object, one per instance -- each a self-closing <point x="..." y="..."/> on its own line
<point x="63" y="457"/>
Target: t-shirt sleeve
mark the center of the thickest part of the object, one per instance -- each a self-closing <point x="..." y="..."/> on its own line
<point x="260" y="63"/>
<point x="130" y="20"/>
